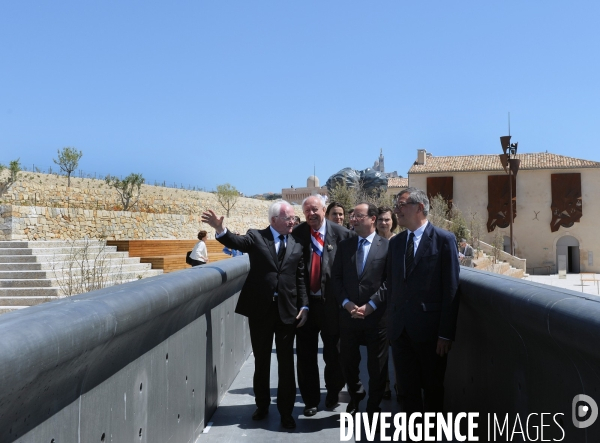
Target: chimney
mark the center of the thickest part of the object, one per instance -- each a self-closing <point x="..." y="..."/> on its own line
<point x="421" y="156"/>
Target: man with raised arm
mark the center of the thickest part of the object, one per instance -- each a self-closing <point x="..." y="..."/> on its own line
<point x="274" y="300"/>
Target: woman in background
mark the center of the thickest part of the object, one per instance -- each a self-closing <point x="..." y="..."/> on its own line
<point x="387" y="222"/>
<point x="335" y="213"/>
<point x="199" y="255"/>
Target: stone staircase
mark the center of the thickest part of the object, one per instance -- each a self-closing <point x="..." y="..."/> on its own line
<point x="33" y="272"/>
<point x="490" y="259"/>
<point x="486" y="262"/>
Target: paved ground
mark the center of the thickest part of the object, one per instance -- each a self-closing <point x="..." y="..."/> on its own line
<point x="572" y="282"/>
<point x="232" y="421"/>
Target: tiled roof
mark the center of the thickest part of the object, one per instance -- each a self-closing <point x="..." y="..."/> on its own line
<point x="397" y="182"/>
<point x="491" y="162"/>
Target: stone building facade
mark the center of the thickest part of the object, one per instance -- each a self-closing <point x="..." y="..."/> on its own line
<point x="297" y="195"/>
<point x="555" y="202"/>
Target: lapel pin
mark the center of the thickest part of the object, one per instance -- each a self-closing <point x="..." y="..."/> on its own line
<point x="329" y="248"/>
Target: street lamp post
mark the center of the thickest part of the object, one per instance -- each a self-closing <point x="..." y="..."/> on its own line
<point x="511" y="166"/>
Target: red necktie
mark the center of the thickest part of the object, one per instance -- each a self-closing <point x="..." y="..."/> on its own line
<point x="315" y="265"/>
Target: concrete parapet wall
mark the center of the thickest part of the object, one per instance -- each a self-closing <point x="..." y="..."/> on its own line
<point x="524" y="348"/>
<point x="145" y="361"/>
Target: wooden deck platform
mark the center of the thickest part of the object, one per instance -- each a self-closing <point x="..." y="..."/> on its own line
<point x="168" y="255"/>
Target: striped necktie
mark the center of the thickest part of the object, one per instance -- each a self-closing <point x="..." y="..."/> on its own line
<point x="315" y="263"/>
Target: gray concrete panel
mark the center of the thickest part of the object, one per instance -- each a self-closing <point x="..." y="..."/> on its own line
<point x="524" y="348"/>
<point x="127" y="363"/>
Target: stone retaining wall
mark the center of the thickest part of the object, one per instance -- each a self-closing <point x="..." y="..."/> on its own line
<point x="40" y="223"/>
<point x="42" y="207"/>
<point x="49" y="190"/>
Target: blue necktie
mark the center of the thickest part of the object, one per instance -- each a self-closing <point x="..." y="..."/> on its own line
<point x="360" y="256"/>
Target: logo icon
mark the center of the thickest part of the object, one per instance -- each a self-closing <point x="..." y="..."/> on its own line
<point x="584" y="406"/>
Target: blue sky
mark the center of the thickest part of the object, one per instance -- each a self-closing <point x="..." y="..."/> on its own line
<point x="255" y="92"/>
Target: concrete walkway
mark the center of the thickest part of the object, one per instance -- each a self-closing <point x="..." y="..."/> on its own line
<point x="572" y="282"/>
<point x="232" y="421"/>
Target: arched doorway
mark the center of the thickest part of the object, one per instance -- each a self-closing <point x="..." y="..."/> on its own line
<point x="506" y="244"/>
<point x="567" y="252"/>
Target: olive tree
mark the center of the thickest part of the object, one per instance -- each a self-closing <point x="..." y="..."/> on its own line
<point x="68" y="160"/>
<point x="227" y="196"/>
<point x="458" y="224"/>
<point x="349" y="197"/>
<point x="14" y="167"/>
<point x="129" y="188"/>
<point x="438" y="212"/>
<point x="346" y="196"/>
<point x="476" y="225"/>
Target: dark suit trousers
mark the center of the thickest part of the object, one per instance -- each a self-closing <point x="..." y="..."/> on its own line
<point x="418" y="366"/>
<point x="352" y="335"/>
<point x="262" y="329"/>
<point x="307" y="350"/>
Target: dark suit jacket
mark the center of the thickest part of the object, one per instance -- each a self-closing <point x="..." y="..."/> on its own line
<point x="334" y="234"/>
<point x="467" y="251"/>
<point x="266" y="274"/>
<point x="370" y="286"/>
<point x="425" y="304"/>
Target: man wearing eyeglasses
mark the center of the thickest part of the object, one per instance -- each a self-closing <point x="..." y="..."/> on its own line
<point x="274" y="300"/>
<point x="358" y="282"/>
<point x="422" y="280"/>
<point x="320" y="239"/>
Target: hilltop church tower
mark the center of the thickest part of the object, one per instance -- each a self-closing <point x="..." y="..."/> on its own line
<point x="378" y="165"/>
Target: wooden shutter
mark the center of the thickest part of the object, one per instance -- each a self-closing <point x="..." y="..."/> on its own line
<point x="443" y="186"/>
<point x="566" y="205"/>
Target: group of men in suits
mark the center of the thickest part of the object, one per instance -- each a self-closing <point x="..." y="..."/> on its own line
<point x="353" y="288"/>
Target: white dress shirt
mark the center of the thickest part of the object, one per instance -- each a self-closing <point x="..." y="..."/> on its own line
<point x="276" y="239"/>
<point x="418" y="234"/>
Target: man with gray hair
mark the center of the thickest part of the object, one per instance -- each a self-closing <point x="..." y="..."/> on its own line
<point x="320" y="239"/>
<point x="274" y="300"/>
<point x="422" y="281"/>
